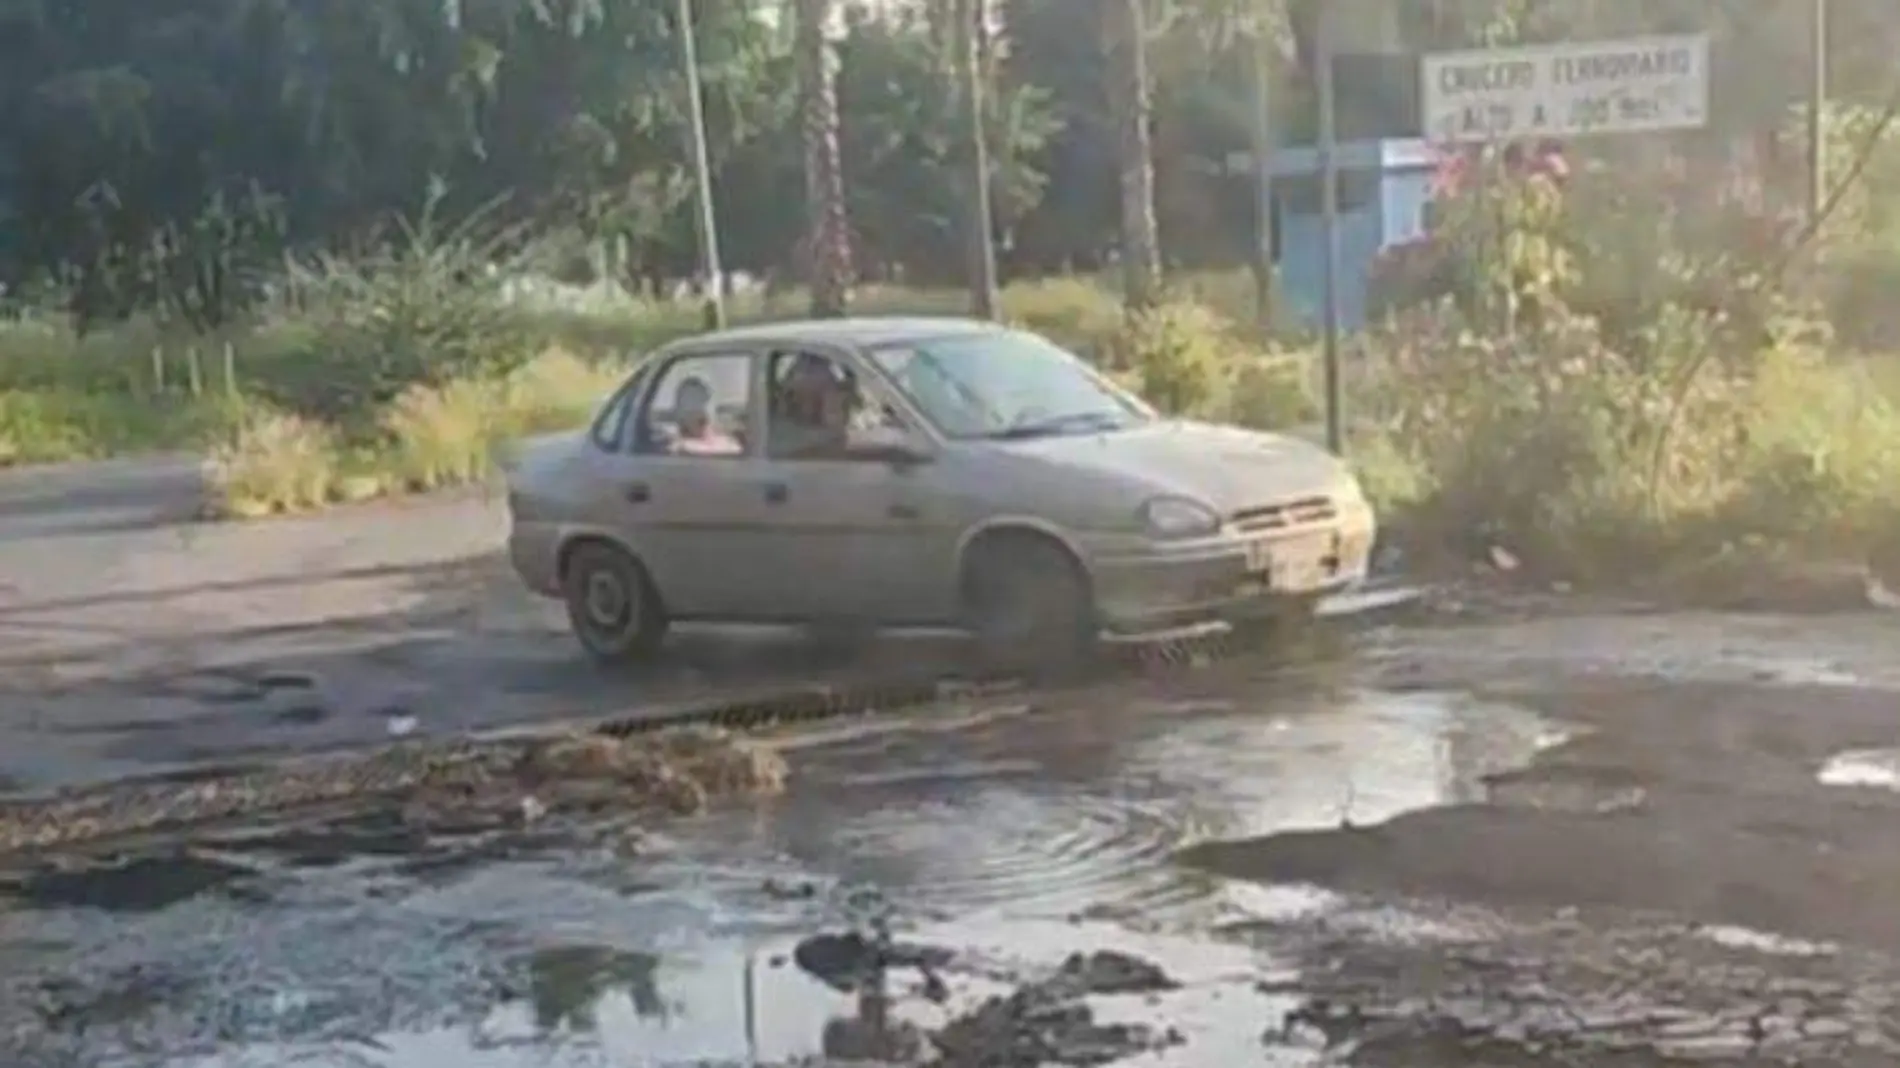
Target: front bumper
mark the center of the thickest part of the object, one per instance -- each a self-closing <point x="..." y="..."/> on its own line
<point x="1232" y="576"/>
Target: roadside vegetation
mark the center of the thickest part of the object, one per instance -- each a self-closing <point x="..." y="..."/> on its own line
<point x="1631" y="361"/>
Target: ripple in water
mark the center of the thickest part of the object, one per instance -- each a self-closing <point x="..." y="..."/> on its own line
<point x="1081" y="810"/>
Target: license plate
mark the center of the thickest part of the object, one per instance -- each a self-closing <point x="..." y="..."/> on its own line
<point x="1296" y="573"/>
<point x="1259" y="557"/>
<point x="1289" y="564"/>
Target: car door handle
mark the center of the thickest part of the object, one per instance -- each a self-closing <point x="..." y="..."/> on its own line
<point x="639" y="492"/>
<point x="776" y="492"/>
<point x="902" y="511"/>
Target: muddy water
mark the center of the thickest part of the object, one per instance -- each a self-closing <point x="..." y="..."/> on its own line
<point x="1015" y="836"/>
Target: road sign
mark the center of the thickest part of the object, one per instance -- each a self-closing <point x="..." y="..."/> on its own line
<point x="1566" y="90"/>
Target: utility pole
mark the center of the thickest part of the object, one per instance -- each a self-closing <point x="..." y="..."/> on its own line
<point x="974" y="24"/>
<point x="1329" y="216"/>
<point x="1817" y="111"/>
<point x="711" y="274"/>
<point x="1263" y="175"/>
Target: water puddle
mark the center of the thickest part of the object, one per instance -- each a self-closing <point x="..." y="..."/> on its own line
<point x="1843" y="651"/>
<point x="1369" y="599"/>
<point x="126" y="884"/>
<point x="587" y="1005"/>
<point x="1878" y="768"/>
<point x="1014" y="841"/>
<point x="1764" y="942"/>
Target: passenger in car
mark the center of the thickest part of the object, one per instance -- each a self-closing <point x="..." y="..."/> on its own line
<point x="693" y="418"/>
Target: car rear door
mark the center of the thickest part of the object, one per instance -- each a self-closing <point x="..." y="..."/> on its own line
<point x="697" y="518"/>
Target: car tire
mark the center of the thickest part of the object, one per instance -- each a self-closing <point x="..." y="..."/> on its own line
<point x="1029" y="606"/>
<point x="612" y="606"/>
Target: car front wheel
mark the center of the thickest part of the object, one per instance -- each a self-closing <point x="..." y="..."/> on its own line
<point x="1029" y="606"/>
<point x="611" y="604"/>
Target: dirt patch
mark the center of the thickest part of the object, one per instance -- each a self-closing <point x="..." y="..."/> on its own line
<point x="1523" y="988"/>
<point x="457" y="785"/>
<point x="1710" y="809"/>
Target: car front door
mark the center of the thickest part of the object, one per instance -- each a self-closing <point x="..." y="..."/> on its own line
<point x="864" y="539"/>
<point x="684" y="486"/>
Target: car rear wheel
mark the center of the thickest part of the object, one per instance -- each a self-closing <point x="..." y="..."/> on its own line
<point x="1029" y="606"/>
<point x="611" y="604"/>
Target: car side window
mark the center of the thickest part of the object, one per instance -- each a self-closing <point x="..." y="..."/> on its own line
<point x="820" y="409"/>
<point x="609" y="432"/>
<point x="699" y="406"/>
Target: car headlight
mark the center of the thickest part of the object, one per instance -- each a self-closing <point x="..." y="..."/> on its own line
<point x="1178" y="517"/>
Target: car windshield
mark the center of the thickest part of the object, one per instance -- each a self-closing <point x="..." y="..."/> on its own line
<point x="1006" y="384"/>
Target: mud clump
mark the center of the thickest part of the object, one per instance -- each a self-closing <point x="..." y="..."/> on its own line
<point x="439" y="784"/>
<point x="851" y="962"/>
<point x="1036" y="1026"/>
<point x="1108" y="972"/>
<point x="679" y="772"/>
<point x="1535" y="990"/>
<point x="1045" y="1021"/>
<point x="1049" y="1022"/>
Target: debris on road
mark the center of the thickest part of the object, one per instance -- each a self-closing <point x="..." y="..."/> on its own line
<point x="458" y="784"/>
<point x="1048" y="1021"/>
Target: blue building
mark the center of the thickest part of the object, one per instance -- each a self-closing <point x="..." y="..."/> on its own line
<point x="1384" y="187"/>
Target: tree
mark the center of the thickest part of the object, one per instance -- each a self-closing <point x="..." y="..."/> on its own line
<point x="827" y="233"/>
<point x="1125" y="40"/>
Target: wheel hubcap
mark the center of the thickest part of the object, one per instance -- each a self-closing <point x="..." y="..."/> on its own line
<point x="608" y="603"/>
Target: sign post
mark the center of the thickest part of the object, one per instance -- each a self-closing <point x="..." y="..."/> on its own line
<point x="712" y="278"/>
<point x="1641" y="84"/>
<point x="1329" y="210"/>
<point x="1817" y="112"/>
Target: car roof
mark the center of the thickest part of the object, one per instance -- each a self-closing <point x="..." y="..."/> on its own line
<point x="860" y="332"/>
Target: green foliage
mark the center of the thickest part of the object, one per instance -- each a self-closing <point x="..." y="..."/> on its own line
<point x="421" y="311"/>
<point x="1656" y="406"/>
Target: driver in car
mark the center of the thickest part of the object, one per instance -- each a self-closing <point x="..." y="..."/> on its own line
<point x="813" y="412"/>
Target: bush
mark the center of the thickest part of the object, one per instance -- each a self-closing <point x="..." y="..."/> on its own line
<point x="1190" y="360"/>
<point x="1593" y="464"/>
<point x="273" y="462"/>
<point x="427" y="438"/>
<point x="51" y="426"/>
<point x="1072" y="312"/>
<point x="554" y="391"/>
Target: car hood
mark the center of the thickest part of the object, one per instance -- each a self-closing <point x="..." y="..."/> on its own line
<point x="1225" y="467"/>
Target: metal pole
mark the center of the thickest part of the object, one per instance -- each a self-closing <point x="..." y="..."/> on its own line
<point x="749" y="1000"/>
<point x="975" y="22"/>
<point x="711" y="274"/>
<point x="1329" y="217"/>
<point x="1263" y="180"/>
<point x="1817" y="107"/>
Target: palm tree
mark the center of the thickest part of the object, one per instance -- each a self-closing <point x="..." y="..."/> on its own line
<point x="1124" y="37"/>
<point x="827" y="237"/>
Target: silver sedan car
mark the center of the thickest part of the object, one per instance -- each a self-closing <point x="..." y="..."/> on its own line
<point x="918" y="472"/>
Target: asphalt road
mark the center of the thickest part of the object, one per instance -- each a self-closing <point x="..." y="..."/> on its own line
<point x="135" y="639"/>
